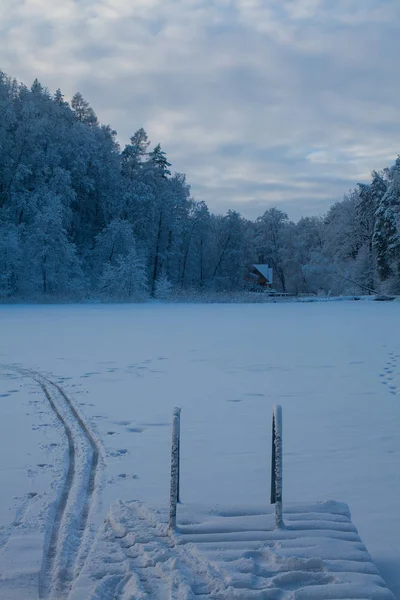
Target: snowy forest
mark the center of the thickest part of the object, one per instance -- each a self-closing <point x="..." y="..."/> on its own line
<point x="81" y="218"/>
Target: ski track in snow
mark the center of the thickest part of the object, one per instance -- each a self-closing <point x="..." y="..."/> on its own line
<point x="389" y="374"/>
<point x="68" y="538"/>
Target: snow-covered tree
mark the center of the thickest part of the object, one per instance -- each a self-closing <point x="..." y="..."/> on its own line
<point x="126" y="279"/>
<point x="134" y="154"/>
<point x="10" y="261"/>
<point x="274" y="244"/>
<point x="51" y="263"/>
<point x="114" y="241"/>
<point x="163" y="287"/>
<point x="386" y="236"/>
<point x="159" y="161"/>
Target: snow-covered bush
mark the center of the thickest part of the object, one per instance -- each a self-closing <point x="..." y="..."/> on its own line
<point x="163" y="287"/>
<point x="126" y="280"/>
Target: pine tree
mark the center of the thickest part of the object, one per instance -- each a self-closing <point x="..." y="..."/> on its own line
<point x="83" y="111"/>
<point x="37" y="88"/>
<point x="134" y="154"/>
<point x="59" y="98"/>
<point x="159" y="161"/>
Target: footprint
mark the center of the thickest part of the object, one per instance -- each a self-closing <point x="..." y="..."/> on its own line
<point x="4" y="395"/>
<point x="255" y="395"/>
<point x="135" y="429"/>
<point x="123" y="476"/>
<point x="123" y="423"/>
<point x="111" y="432"/>
<point x="116" y="453"/>
<point x="89" y="374"/>
<point x="235" y="400"/>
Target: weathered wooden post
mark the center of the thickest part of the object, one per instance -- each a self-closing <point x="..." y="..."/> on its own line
<point x="178" y="485"/>
<point x="175" y="456"/>
<point x="276" y="465"/>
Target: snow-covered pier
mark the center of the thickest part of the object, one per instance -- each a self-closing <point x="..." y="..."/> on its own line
<point x="304" y="552"/>
<point x="318" y="554"/>
<point x="234" y="553"/>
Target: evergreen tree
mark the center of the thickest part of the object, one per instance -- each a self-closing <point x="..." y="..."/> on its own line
<point x="134" y="154"/>
<point x="159" y="161"/>
<point x="83" y="111"/>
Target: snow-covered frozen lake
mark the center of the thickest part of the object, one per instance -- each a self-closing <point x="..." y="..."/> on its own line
<point x="334" y="367"/>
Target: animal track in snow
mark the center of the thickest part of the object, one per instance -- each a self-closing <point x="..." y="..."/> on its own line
<point x="90" y="374"/>
<point x="390" y="373"/>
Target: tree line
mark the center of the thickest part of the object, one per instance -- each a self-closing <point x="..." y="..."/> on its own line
<point x="82" y="218"/>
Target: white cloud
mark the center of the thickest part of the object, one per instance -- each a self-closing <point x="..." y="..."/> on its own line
<point x="258" y="101"/>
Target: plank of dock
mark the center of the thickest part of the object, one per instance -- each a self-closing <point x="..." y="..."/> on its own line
<point x="317" y="555"/>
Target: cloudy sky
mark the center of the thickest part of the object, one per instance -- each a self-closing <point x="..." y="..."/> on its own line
<point x="260" y="102"/>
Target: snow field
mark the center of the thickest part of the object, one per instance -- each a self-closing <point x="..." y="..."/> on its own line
<point x="329" y="365"/>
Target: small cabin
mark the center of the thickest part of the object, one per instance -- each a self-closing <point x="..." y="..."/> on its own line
<point x="260" y="275"/>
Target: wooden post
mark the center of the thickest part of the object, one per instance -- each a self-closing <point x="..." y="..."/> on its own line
<point x="276" y="465"/>
<point x="175" y="456"/>
<point x="178" y="435"/>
